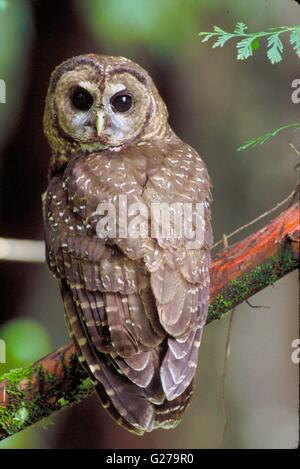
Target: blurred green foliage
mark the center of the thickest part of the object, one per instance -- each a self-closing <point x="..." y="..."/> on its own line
<point x="29" y="438"/>
<point x="3" y="4"/>
<point x="15" y="39"/>
<point x="164" y="26"/>
<point x="26" y="340"/>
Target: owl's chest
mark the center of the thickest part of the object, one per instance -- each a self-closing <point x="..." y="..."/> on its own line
<point x="102" y="178"/>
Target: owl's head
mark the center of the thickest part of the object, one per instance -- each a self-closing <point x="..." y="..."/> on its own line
<point x="96" y="102"/>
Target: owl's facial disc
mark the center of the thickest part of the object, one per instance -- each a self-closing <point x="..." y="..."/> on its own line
<point x="98" y="102"/>
<point x="104" y="112"/>
<point x="125" y="108"/>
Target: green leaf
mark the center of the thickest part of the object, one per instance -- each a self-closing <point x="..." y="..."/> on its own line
<point x="207" y="36"/>
<point x="279" y="28"/>
<point x="240" y="28"/>
<point x="275" y="48"/>
<point x="255" y="44"/>
<point x="244" y="48"/>
<point x="219" y="30"/>
<point x="264" y="138"/>
<point x="222" y="40"/>
<point x="295" y="41"/>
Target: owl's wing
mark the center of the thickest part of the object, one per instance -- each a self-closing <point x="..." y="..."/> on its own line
<point x="178" y="265"/>
<point x="185" y="175"/>
<point x="141" y="302"/>
<point x="117" y="340"/>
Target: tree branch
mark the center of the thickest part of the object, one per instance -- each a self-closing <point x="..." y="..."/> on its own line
<point x="28" y="395"/>
<point x="22" y="250"/>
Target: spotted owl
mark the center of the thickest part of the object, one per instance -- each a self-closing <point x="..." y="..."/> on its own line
<point x="135" y="304"/>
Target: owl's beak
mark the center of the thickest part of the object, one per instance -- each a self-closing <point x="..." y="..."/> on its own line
<point x="99" y="122"/>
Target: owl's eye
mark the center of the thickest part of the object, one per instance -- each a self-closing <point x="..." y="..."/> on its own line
<point x="121" y="102"/>
<point x="82" y="99"/>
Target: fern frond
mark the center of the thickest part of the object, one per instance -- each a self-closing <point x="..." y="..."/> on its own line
<point x="244" y="48"/>
<point x="222" y="40"/>
<point x="240" y="28"/>
<point x="264" y="138"/>
<point x="295" y="41"/>
<point x="275" y="48"/>
<point x="249" y="42"/>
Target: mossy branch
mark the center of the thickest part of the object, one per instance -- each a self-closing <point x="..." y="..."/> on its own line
<point x="28" y="395"/>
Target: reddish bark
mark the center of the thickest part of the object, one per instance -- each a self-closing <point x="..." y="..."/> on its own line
<point x="255" y="249"/>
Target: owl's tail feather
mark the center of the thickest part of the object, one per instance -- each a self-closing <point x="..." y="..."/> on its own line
<point x="131" y="406"/>
<point x="125" y="402"/>
<point x="169" y="414"/>
<point x="102" y="395"/>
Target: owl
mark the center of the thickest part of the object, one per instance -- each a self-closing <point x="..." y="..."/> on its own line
<point x="135" y="301"/>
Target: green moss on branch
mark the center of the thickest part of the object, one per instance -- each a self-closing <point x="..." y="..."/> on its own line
<point x="241" y="288"/>
<point x="31" y="394"/>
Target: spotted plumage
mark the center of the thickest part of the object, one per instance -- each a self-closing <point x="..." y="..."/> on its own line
<point x="135" y="306"/>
